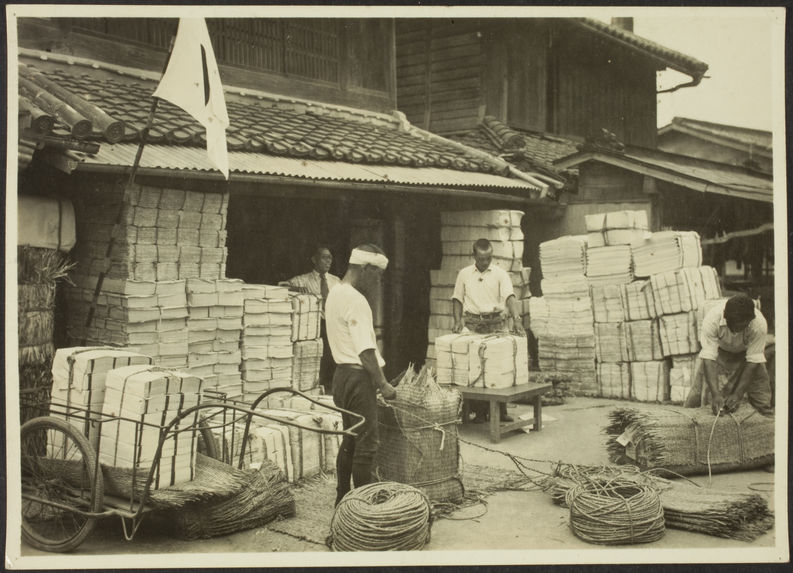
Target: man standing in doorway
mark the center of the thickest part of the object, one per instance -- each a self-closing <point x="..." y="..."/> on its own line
<point x="359" y="374"/>
<point x="733" y="340"/>
<point x="482" y="292"/>
<point x="319" y="282"/>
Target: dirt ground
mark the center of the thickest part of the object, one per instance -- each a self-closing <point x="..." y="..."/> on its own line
<point x="505" y="520"/>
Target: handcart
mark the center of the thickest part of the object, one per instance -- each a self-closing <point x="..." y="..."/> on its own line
<point x="63" y="483"/>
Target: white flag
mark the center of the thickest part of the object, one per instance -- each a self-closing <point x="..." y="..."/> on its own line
<point x="192" y="82"/>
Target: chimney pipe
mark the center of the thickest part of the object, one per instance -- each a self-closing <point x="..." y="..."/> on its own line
<point x="624" y="23"/>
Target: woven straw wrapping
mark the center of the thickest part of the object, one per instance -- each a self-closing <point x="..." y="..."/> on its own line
<point x="418" y="437"/>
<point x="678" y="438"/>
<point x="265" y="497"/>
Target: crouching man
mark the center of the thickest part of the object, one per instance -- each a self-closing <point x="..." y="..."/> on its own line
<point x="733" y="339"/>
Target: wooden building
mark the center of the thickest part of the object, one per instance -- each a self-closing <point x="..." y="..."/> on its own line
<point x="751" y="148"/>
<point x="318" y="154"/>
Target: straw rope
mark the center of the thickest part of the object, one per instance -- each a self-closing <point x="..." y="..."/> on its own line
<point x="383" y="516"/>
<point x="615" y="512"/>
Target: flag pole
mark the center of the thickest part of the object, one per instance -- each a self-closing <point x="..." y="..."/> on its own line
<point x="116" y="229"/>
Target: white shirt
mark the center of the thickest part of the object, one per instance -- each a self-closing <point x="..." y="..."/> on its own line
<point x="311" y="282"/>
<point x="716" y="334"/>
<point x="348" y="319"/>
<point x="483" y="292"/>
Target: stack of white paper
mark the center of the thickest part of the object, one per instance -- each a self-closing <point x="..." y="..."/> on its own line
<point x="214" y="329"/>
<point x="679" y="333"/>
<point x="607" y="303"/>
<point x="616" y="228"/>
<point x="650" y="381"/>
<point x="266" y="343"/>
<point x="563" y="256"/>
<point x="638" y="300"/>
<point x="614" y="380"/>
<point x="305" y="317"/>
<point x="144" y="399"/>
<point x="306" y="445"/>
<point x="609" y="265"/>
<point x="667" y="251"/>
<point x="490" y="361"/>
<point x="643" y="340"/>
<point x="306" y="359"/>
<point x="681" y="376"/>
<point x="78" y="383"/>
<point x="539" y="315"/>
<point x="684" y="289"/>
<point x="611" y="344"/>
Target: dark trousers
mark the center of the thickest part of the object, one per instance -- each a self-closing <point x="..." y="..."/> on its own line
<point x="354" y="391"/>
<point x="326" y="364"/>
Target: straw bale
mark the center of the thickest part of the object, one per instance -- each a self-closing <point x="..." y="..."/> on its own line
<point x="678" y="439"/>
<point x="38" y="265"/>
<point x="36" y="297"/>
<point x="36" y="354"/>
<point x="36" y="327"/>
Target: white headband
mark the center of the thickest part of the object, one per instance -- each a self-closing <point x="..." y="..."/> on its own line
<point x="359" y="257"/>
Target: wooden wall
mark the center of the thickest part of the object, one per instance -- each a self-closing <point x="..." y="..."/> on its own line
<point x="595" y="85"/>
<point x="439" y="73"/>
<point x="344" y="62"/>
<point x="684" y="144"/>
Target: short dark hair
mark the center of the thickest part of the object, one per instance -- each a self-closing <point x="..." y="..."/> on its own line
<point x="482" y="245"/>
<point x="320" y="247"/>
<point x="739" y="308"/>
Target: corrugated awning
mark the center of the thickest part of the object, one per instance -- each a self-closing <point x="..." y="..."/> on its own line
<point x="193" y="159"/>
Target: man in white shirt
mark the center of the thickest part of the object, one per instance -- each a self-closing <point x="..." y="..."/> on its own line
<point x="482" y="292"/>
<point x="319" y="282"/>
<point x="733" y="338"/>
<point x="359" y="374"/>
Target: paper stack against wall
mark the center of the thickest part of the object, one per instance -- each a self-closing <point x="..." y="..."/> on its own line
<point x="145" y="399"/>
<point x="150" y="316"/>
<point x="307" y="344"/>
<point x="214" y="328"/>
<point x="567" y="343"/>
<point x="459" y="231"/>
<point x="666" y="251"/>
<point x="78" y="384"/>
<point x="266" y="339"/>
<point x="482" y="360"/>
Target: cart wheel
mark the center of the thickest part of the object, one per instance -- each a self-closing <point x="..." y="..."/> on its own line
<point x="58" y="465"/>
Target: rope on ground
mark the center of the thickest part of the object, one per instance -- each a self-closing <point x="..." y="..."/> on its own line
<point x="615" y="512"/>
<point x="381" y="516"/>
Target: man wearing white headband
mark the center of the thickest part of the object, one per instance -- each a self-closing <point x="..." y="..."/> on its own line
<point x="359" y="366"/>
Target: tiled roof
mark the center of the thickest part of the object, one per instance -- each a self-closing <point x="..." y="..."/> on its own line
<point x="673" y="59"/>
<point x="689" y="172"/>
<point x="528" y="150"/>
<point x="112" y="109"/>
<point x="757" y="139"/>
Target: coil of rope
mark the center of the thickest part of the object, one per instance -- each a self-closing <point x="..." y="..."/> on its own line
<point x="381" y="516"/>
<point x="615" y="512"/>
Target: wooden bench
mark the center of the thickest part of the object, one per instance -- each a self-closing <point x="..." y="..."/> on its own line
<point x="495" y="396"/>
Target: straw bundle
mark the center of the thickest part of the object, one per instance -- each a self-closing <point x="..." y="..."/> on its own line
<point x="36" y="354"/>
<point x="35" y="297"/>
<point x="37" y="266"/>
<point x="418" y="437"/>
<point x="265" y="497"/>
<point x="680" y="439"/>
<point x="730" y="515"/>
<point x="36" y="327"/>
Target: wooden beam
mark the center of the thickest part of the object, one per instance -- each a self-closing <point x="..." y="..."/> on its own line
<point x="765" y="227"/>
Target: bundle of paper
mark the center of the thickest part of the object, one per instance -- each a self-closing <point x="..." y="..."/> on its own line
<point x="451" y="358"/>
<point x="679" y="333"/>
<point x="638" y="300"/>
<point x="305" y="316"/>
<point x="611" y="344"/>
<point x="607" y="303"/>
<point x="501" y="249"/>
<point x="650" y="381"/>
<point x="643" y="340"/>
<point x="539" y="315"/>
<point x="570" y="315"/>
<point x="140" y="401"/>
<point x="681" y="376"/>
<point x="305" y="445"/>
<point x="685" y="289"/>
<point x="597" y="222"/>
<point x="78" y="383"/>
<point x="667" y="251"/>
<point x="329" y="420"/>
<point x="609" y="265"/>
<point x="491" y="361"/>
<point x="214" y="328"/>
<point x="563" y="256"/>
<point x="614" y="380"/>
<point x="147" y="316"/>
<point x="492" y="218"/>
<point x="266" y="340"/>
<point x="613" y="237"/>
<point x="306" y="358"/>
<point x="271" y="441"/>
